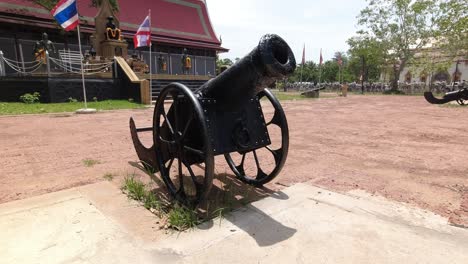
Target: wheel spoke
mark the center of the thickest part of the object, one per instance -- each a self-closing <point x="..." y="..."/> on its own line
<point x="175" y="105"/>
<point x="169" y="125"/>
<point x="186" y="127"/>
<point x="275" y="120"/>
<point x="181" y="176"/>
<point x="198" y="186"/>
<point x="196" y="151"/>
<point x="168" y="142"/>
<point x="170" y="164"/>
<point x="240" y="167"/>
<point x="277" y="154"/>
<point x="256" y="159"/>
<point x="260" y="173"/>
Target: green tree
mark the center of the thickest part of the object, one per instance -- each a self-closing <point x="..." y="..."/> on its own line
<point x="452" y="22"/>
<point x="401" y="27"/>
<point x="309" y="71"/>
<point x="367" y="58"/>
<point x="330" y="71"/>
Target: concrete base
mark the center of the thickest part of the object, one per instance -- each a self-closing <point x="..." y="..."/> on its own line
<point x="86" y="111"/>
<point x="302" y="224"/>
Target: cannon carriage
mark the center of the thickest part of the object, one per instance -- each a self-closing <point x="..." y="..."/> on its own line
<point x="223" y="117"/>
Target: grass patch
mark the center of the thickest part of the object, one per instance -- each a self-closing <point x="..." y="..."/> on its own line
<point x="134" y="188"/>
<point x="182" y="218"/>
<point x="90" y="162"/>
<point x="108" y="176"/>
<point x="177" y="217"/>
<point x="228" y="195"/>
<point x="284" y="96"/>
<point x="7" y="108"/>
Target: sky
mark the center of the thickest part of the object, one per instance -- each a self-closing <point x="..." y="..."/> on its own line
<point x="325" y="24"/>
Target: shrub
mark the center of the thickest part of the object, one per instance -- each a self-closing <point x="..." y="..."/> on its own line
<point x="30" y="98"/>
<point x="72" y="100"/>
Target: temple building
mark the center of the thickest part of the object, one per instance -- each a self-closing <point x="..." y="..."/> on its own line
<point x="177" y="25"/>
<point x="432" y="64"/>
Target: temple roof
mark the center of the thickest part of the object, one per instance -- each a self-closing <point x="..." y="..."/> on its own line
<point x="183" y="22"/>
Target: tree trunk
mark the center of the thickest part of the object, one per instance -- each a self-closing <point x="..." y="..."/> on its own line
<point x="397" y="69"/>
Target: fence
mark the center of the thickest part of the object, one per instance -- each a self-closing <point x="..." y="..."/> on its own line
<point x="407" y="88"/>
<point x="201" y="65"/>
<point x="67" y="62"/>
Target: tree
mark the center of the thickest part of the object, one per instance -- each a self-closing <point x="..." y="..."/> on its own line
<point x="452" y="22"/>
<point x="401" y="27"/>
<point x="330" y="71"/>
<point x="367" y="58"/>
<point x="309" y="70"/>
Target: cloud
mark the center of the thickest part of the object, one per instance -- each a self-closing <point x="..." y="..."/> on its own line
<point x="318" y="24"/>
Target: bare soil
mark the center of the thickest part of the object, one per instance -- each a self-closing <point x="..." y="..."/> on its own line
<point x="399" y="147"/>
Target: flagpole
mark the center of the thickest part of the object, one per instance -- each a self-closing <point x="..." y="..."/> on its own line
<point x="82" y="69"/>
<point x="151" y="59"/>
<point x="320" y="67"/>
<point x="320" y="73"/>
<point x="301" y="71"/>
<point x="339" y="74"/>
<point x="303" y="60"/>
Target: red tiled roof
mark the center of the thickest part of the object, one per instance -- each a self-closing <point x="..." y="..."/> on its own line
<point x="173" y="21"/>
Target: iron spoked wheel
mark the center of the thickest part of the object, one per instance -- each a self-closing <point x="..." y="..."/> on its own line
<point x="462" y="102"/>
<point x="181" y="141"/>
<point x="260" y="166"/>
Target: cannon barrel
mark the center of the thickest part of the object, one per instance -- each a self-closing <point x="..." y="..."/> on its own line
<point x="271" y="60"/>
<point x="448" y="97"/>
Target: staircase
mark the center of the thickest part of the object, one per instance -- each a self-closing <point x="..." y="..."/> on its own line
<point x="158" y="85"/>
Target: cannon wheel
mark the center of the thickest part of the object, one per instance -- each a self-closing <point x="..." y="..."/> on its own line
<point x="279" y="155"/>
<point x="186" y="187"/>
<point x="462" y="102"/>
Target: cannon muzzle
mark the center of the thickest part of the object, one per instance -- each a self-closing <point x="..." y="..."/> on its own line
<point x="271" y="60"/>
<point x="448" y="97"/>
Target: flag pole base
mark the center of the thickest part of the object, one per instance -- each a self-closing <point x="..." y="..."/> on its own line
<point x="86" y="111"/>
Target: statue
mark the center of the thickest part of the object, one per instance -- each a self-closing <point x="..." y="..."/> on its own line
<point x="40" y="48"/>
<point x="162" y="63"/>
<point x="186" y="62"/>
<point x="112" y="31"/>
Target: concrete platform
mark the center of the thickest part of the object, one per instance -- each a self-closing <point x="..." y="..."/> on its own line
<point x="302" y="224"/>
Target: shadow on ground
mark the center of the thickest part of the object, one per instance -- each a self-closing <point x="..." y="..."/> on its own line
<point x="229" y="194"/>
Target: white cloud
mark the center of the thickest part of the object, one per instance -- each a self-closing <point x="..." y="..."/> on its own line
<point x="318" y="24"/>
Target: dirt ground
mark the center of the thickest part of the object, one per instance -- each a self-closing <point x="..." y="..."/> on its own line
<point x="399" y="147"/>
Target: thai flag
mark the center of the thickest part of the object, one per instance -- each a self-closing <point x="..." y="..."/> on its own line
<point x="66" y="14"/>
<point x="142" y="37"/>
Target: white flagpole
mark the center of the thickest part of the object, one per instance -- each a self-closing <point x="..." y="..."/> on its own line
<point x="151" y="59"/>
<point x="82" y="69"/>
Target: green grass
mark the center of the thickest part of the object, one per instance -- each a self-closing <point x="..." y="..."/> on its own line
<point x="109" y="176"/>
<point x="178" y="216"/>
<point x="283" y="96"/>
<point x="7" y="108"/>
<point x="90" y="162"/>
<point x="134" y="188"/>
<point x="182" y="218"/>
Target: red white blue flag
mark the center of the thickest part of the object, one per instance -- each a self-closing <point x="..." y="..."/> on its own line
<point x="143" y="36"/>
<point x="66" y="14"/>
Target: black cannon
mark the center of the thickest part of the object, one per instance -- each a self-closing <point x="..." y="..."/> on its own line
<point x="460" y="96"/>
<point x="223" y="117"/>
